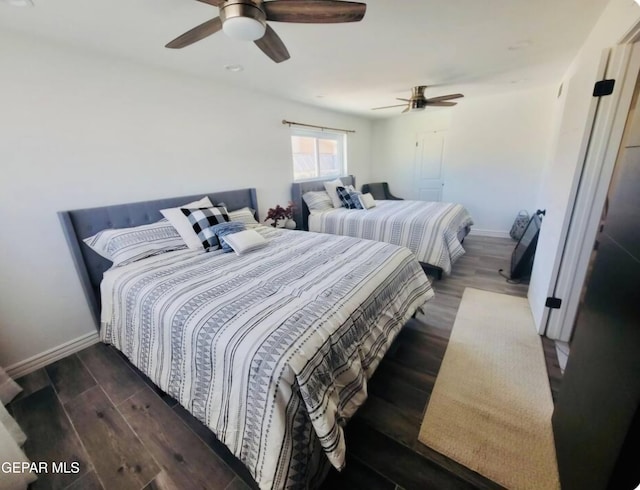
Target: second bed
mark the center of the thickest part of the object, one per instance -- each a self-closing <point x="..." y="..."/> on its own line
<point x="433" y="231"/>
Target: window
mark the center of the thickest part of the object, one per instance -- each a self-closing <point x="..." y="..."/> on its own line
<point x="318" y="154"/>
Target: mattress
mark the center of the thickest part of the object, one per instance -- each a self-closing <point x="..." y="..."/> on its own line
<point x="271" y="350"/>
<point x="431" y="230"/>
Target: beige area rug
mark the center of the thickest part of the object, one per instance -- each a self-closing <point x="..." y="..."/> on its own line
<point x="491" y="406"/>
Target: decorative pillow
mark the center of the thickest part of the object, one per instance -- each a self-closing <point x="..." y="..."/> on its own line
<point x="352" y="190"/>
<point x="228" y="228"/>
<point x="348" y="198"/>
<point x="367" y="201"/>
<point x="244" y="215"/>
<point x="202" y="219"/>
<point x="181" y="223"/>
<point x="245" y="241"/>
<point x="331" y="190"/>
<point x="317" y="200"/>
<point x="126" y="245"/>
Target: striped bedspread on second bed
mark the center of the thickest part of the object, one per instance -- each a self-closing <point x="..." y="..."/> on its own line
<point x="272" y="349"/>
<point x="428" y="229"/>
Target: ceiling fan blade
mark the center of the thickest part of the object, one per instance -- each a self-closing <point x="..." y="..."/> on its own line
<point x="272" y="46"/>
<point x="404" y="100"/>
<point x="215" y="3"/>
<point x="196" y="34"/>
<point x="388" y="107"/>
<point x="406" y="110"/>
<point x="314" y="11"/>
<point x="445" y="97"/>
<point x="441" y="104"/>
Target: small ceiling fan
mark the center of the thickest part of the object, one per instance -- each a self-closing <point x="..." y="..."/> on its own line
<point x="419" y="102"/>
<point x="247" y="20"/>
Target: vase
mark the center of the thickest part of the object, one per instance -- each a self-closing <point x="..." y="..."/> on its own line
<point x="290" y="224"/>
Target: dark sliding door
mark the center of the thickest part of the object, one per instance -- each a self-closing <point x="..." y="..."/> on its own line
<point x="596" y="419"/>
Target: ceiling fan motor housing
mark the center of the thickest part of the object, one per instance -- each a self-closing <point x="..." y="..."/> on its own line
<point x="418" y="101"/>
<point x="417" y="104"/>
<point x="418" y="92"/>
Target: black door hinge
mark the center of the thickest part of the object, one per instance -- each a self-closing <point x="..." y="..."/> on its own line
<point x="554" y="303"/>
<point x="603" y="87"/>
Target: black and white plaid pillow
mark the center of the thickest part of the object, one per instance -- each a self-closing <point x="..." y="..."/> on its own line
<point x="202" y="219"/>
<point x="349" y="198"/>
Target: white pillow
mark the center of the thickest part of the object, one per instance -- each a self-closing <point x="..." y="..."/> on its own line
<point x="245" y="241"/>
<point x="244" y="215"/>
<point x="317" y="200"/>
<point x="126" y="245"/>
<point x="181" y="223"/>
<point x="333" y="194"/>
<point x="367" y="201"/>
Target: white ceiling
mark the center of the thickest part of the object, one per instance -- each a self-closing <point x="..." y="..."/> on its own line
<point x="471" y="46"/>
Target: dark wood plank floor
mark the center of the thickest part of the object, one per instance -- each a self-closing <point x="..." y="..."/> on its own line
<point x="96" y="408"/>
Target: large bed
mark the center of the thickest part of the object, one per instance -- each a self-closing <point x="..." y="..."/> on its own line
<point x="272" y="349"/>
<point x="433" y="231"/>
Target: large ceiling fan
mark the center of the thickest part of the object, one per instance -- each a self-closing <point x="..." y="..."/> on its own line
<point x="419" y="102"/>
<point x="247" y="20"/>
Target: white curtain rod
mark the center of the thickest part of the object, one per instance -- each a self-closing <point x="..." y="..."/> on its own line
<point x="291" y="123"/>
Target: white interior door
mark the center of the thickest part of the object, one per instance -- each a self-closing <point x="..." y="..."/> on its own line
<point x="600" y="159"/>
<point x="428" y="166"/>
<point x="560" y="185"/>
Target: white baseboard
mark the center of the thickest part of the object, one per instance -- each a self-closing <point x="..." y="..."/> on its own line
<point x="52" y="355"/>
<point x="489" y="233"/>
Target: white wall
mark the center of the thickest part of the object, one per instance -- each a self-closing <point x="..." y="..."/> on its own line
<point x="80" y="130"/>
<point x="562" y="170"/>
<point x="495" y="149"/>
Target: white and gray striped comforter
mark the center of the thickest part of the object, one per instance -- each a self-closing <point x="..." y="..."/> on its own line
<point x="271" y="350"/>
<point x="428" y="229"/>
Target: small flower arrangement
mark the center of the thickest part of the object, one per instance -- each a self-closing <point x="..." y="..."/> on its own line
<point x="278" y="213"/>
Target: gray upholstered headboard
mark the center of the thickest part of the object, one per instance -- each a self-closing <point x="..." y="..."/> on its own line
<point x="301" y="213"/>
<point x="83" y="223"/>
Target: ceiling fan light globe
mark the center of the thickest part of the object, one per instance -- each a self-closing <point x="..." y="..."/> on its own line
<point x="244" y="28"/>
<point x="243" y="20"/>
